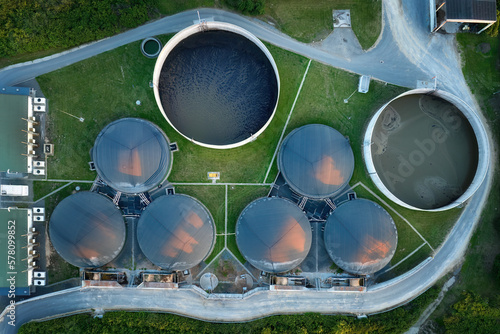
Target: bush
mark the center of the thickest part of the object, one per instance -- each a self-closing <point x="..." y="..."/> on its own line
<point x="37" y="25"/>
<point x="472" y="314"/>
<point x="253" y="7"/>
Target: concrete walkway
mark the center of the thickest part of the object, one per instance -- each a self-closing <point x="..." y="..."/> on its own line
<point x="409" y="53"/>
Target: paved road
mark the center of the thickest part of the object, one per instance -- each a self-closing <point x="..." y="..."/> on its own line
<point x="409" y="53"/>
<point x="396" y="68"/>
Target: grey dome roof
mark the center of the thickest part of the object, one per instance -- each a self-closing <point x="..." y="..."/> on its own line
<point x="360" y="237"/>
<point x="176" y="232"/>
<point x="316" y="161"/>
<point x="273" y="234"/>
<point x="87" y="230"/>
<point x="132" y="155"/>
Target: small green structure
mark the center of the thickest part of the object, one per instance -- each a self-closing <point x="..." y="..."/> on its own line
<point x="14" y="104"/>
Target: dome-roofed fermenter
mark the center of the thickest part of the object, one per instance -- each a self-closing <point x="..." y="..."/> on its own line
<point x="176" y="232"/>
<point x="132" y="155"/>
<point x="87" y="230"/>
<point x="273" y="234"/>
<point x="216" y="84"/>
<point x="316" y="161"/>
<point x="360" y="237"/>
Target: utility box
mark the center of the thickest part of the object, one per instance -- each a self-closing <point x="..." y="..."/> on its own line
<point x="364" y="84"/>
<point x="14" y="190"/>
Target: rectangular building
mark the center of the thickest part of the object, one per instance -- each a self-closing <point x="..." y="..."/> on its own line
<point x="16" y="246"/>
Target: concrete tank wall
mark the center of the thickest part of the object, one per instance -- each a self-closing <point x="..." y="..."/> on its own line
<point x="479" y="131"/>
<point x="174" y="41"/>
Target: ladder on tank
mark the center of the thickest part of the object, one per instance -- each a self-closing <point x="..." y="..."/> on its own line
<point x="330" y="203"/>
<point x="144" y="199"/>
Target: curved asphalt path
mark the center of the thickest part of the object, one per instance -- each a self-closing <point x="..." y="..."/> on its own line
<point x="408" y="53"/>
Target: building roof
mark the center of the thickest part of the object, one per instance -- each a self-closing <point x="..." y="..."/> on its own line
<point x="316" y="161"/>
<point x="87" y="230"/>
<point x="13" y="107"/>
<point x="273" y="234"/>
<point x="14" y="220"/>
<point x="483" y="10"/>
<point x="132" y="155"/>
<point x="176" y="232"/>
<point x="360" y="237"/>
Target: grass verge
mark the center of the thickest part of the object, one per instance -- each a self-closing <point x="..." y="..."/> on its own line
<point x="312" y="21"/>
<point x="396" y="321"/>
<point x="113" y="81"/>
<point x="213" y="197"/>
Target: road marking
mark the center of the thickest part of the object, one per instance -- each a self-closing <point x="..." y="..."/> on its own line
<point x="287" y="120"/>
<point x="58" y="189"/>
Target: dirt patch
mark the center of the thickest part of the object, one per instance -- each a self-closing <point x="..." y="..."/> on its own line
<point x="484" y="48"/>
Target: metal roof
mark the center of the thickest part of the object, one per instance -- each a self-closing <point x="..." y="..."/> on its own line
<point x="132" y="155"/>
<point x="316" y="161"/>
<point x="176" y="232"/>
<point x="87" y="229"/>
<point x="360" y="237"/>
<point x="471" y="10"/>
<point x="273" y="234"/>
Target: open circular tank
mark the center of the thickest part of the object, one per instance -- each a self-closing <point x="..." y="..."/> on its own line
<point x="360" y="237"/>
<point x="87" y="230"/>
<point x="216" y="84"/>
<point x="273" y="234"/>
<point x="316" y="161"/>
<point x="132" y="155"/>
<point x="176" y="232"/>
<point x="151" y="47"/>
<point x="426" y="150"/>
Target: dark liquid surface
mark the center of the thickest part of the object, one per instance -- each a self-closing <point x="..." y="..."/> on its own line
<point x="425" y="151"/>
<point x="218" y="88"/>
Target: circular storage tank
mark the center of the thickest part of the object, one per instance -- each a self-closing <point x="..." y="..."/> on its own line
<point x="176" y="232"/>
<point x="87" y="230"/>
<point x="426" y="150"/>
<point x="132" y="155"/>
<point x="151" y="47"/>
<point x="360" y="237"/>
<point x="216" y="84"/>
<point x="273" y="234"/>
<point x="316" y="161"/>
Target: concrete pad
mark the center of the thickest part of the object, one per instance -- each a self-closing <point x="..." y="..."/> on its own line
<point x="342" y="18"/>
<point x="343" y="43"/>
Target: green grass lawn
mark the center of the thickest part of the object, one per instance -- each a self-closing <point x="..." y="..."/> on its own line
<point x="170" y="7"/>
<point x="312" y="20"/>
<point x="113" y="81"/>
<point x="238" y="198"/>
<point x="109" y="84"/>
<point x="218" y="247"/>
